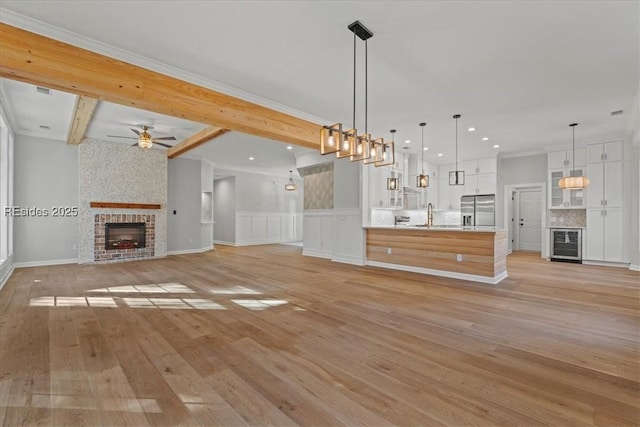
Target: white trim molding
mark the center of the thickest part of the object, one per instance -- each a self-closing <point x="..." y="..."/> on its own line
<point x="7" y="277"/>
<point x="442" y="273"/>
<point x="634" y="267"/>
<point x="607" y="264"/>
<point x="191" y="251"/>
<point x="45" y="263"/>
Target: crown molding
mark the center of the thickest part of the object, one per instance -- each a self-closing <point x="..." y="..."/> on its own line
<point x="510" y="155"/>
<point x="35" y="26"/>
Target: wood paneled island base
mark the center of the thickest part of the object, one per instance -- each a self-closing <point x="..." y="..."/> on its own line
<point x="436" y="251"/>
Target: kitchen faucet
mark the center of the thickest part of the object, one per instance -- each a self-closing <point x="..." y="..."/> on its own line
<point x="429" y="215"/>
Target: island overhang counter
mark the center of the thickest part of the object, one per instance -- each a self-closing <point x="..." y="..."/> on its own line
<point x="470" y="253"/>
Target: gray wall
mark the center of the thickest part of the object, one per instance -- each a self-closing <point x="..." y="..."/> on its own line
<point x="183" y="196"/>
<point x="46" y="175"/>
<point x="224" y="209"/>
<point x="265" y="193"/>
<point x="524" y="170"/>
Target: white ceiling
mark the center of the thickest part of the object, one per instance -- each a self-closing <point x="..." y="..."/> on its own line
<point x="519" y="72"/>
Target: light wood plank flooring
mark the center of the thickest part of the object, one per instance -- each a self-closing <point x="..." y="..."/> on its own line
<point x="265" y="336"/>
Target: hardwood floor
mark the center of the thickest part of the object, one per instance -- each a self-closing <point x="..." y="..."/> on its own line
<point x="265" y="336"/>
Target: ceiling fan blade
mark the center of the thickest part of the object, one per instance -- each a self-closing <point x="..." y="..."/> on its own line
<point x="137" y="132"/>
<point x="165" y="138"/>
<point x="133" y="145"/>
<point x="117" y="136"/>
<point x="164" y="145"/>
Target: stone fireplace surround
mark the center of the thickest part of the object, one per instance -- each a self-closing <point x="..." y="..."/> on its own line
<point x="103" y="255"/>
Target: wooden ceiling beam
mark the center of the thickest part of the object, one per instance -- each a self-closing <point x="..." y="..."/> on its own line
<point x="43" y="61"/>
<point x="82" y="114"/>
<point x="195" y="140"/>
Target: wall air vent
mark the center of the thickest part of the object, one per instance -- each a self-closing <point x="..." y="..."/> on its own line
<point x="45" y="127"/>
<point x="617" y="112"/>
<point x="43" y="90"/>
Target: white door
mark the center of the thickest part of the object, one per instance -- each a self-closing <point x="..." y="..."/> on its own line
<point x="530" y="223"/>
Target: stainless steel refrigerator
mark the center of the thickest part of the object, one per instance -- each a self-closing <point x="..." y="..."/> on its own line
<point x="478" y="210"/>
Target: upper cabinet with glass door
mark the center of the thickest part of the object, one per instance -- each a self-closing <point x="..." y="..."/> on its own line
<point x="561" y="165"/>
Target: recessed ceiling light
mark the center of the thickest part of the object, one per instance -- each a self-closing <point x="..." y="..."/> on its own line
<point x="289" y="147"/>
<point x="250" y="158"/>
<point x="408" y="141"/>
<point x="426" y="148"/>
<point x="496" y="146"/>
<point x="485" y="138"/>
<point x="471" y="129"/>
<point x="440" y="154"/>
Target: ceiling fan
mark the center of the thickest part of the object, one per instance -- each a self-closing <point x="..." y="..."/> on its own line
<point x="145" y="140"/>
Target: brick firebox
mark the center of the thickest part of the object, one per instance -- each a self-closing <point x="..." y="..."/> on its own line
<point x="103" y="255"/>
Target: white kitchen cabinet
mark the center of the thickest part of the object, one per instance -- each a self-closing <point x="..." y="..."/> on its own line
<point x="604" y="240"/>
<point x="604" y="152"/>
<point x="564" y="158"/>
<point x="605" y="188"/>
<point x="565" y="199"/>
<point x="479" y="166"/>
<point x="449" y="195"/>
<point x="479" y="184"/>
<point x="605" y="202"/>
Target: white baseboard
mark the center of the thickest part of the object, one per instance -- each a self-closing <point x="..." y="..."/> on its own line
<point x="442" y="273"/>
<point x="45" y="263"/>
<point x="316" y="254"/>
<point x="634" y="267"/>
<point x="7" y="277"/>
<point x="190" y="251"/>
<point x="606" y="264"/>
<point x="346" y="259"/>
<point x="254" y="243"/>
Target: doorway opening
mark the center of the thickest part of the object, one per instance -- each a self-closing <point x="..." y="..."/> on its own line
<point x="526" y="218"/>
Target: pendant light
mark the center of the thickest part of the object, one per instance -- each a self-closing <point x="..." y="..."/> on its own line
<point x="392" y="184"/>
<point x="347" y="143"/>
<point x="387" y="155"/>
<point x="422" y="180"/>
<point x="387" y="152"/>
<point x="290" y="186"/>
<point x="456" y="177"/>
<point x="573" y="182"/>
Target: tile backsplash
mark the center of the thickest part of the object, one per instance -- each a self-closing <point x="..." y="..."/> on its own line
<point x="567" y="217"/>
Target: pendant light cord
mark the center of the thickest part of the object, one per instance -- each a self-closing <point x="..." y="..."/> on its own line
<point x="422" y="152"/>
<point x="573" y="165"/>
<point x="456" y="149"/>
<point x="366" y="87"/>
<point x="354" y="80"/>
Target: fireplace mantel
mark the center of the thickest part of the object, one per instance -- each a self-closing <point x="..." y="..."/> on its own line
<point x="116" y="205"/>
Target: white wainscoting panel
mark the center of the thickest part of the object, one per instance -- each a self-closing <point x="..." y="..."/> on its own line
<point x="349" y="245"/>
<point x="336" y="234"/>
<point x="318" y="233"/>
<point x="259" y="228"/>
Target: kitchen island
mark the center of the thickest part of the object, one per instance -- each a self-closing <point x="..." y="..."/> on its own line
<point x="471" y="253"/>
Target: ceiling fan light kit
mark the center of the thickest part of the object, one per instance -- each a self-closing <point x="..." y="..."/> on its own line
<point x="144" y="138"/>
